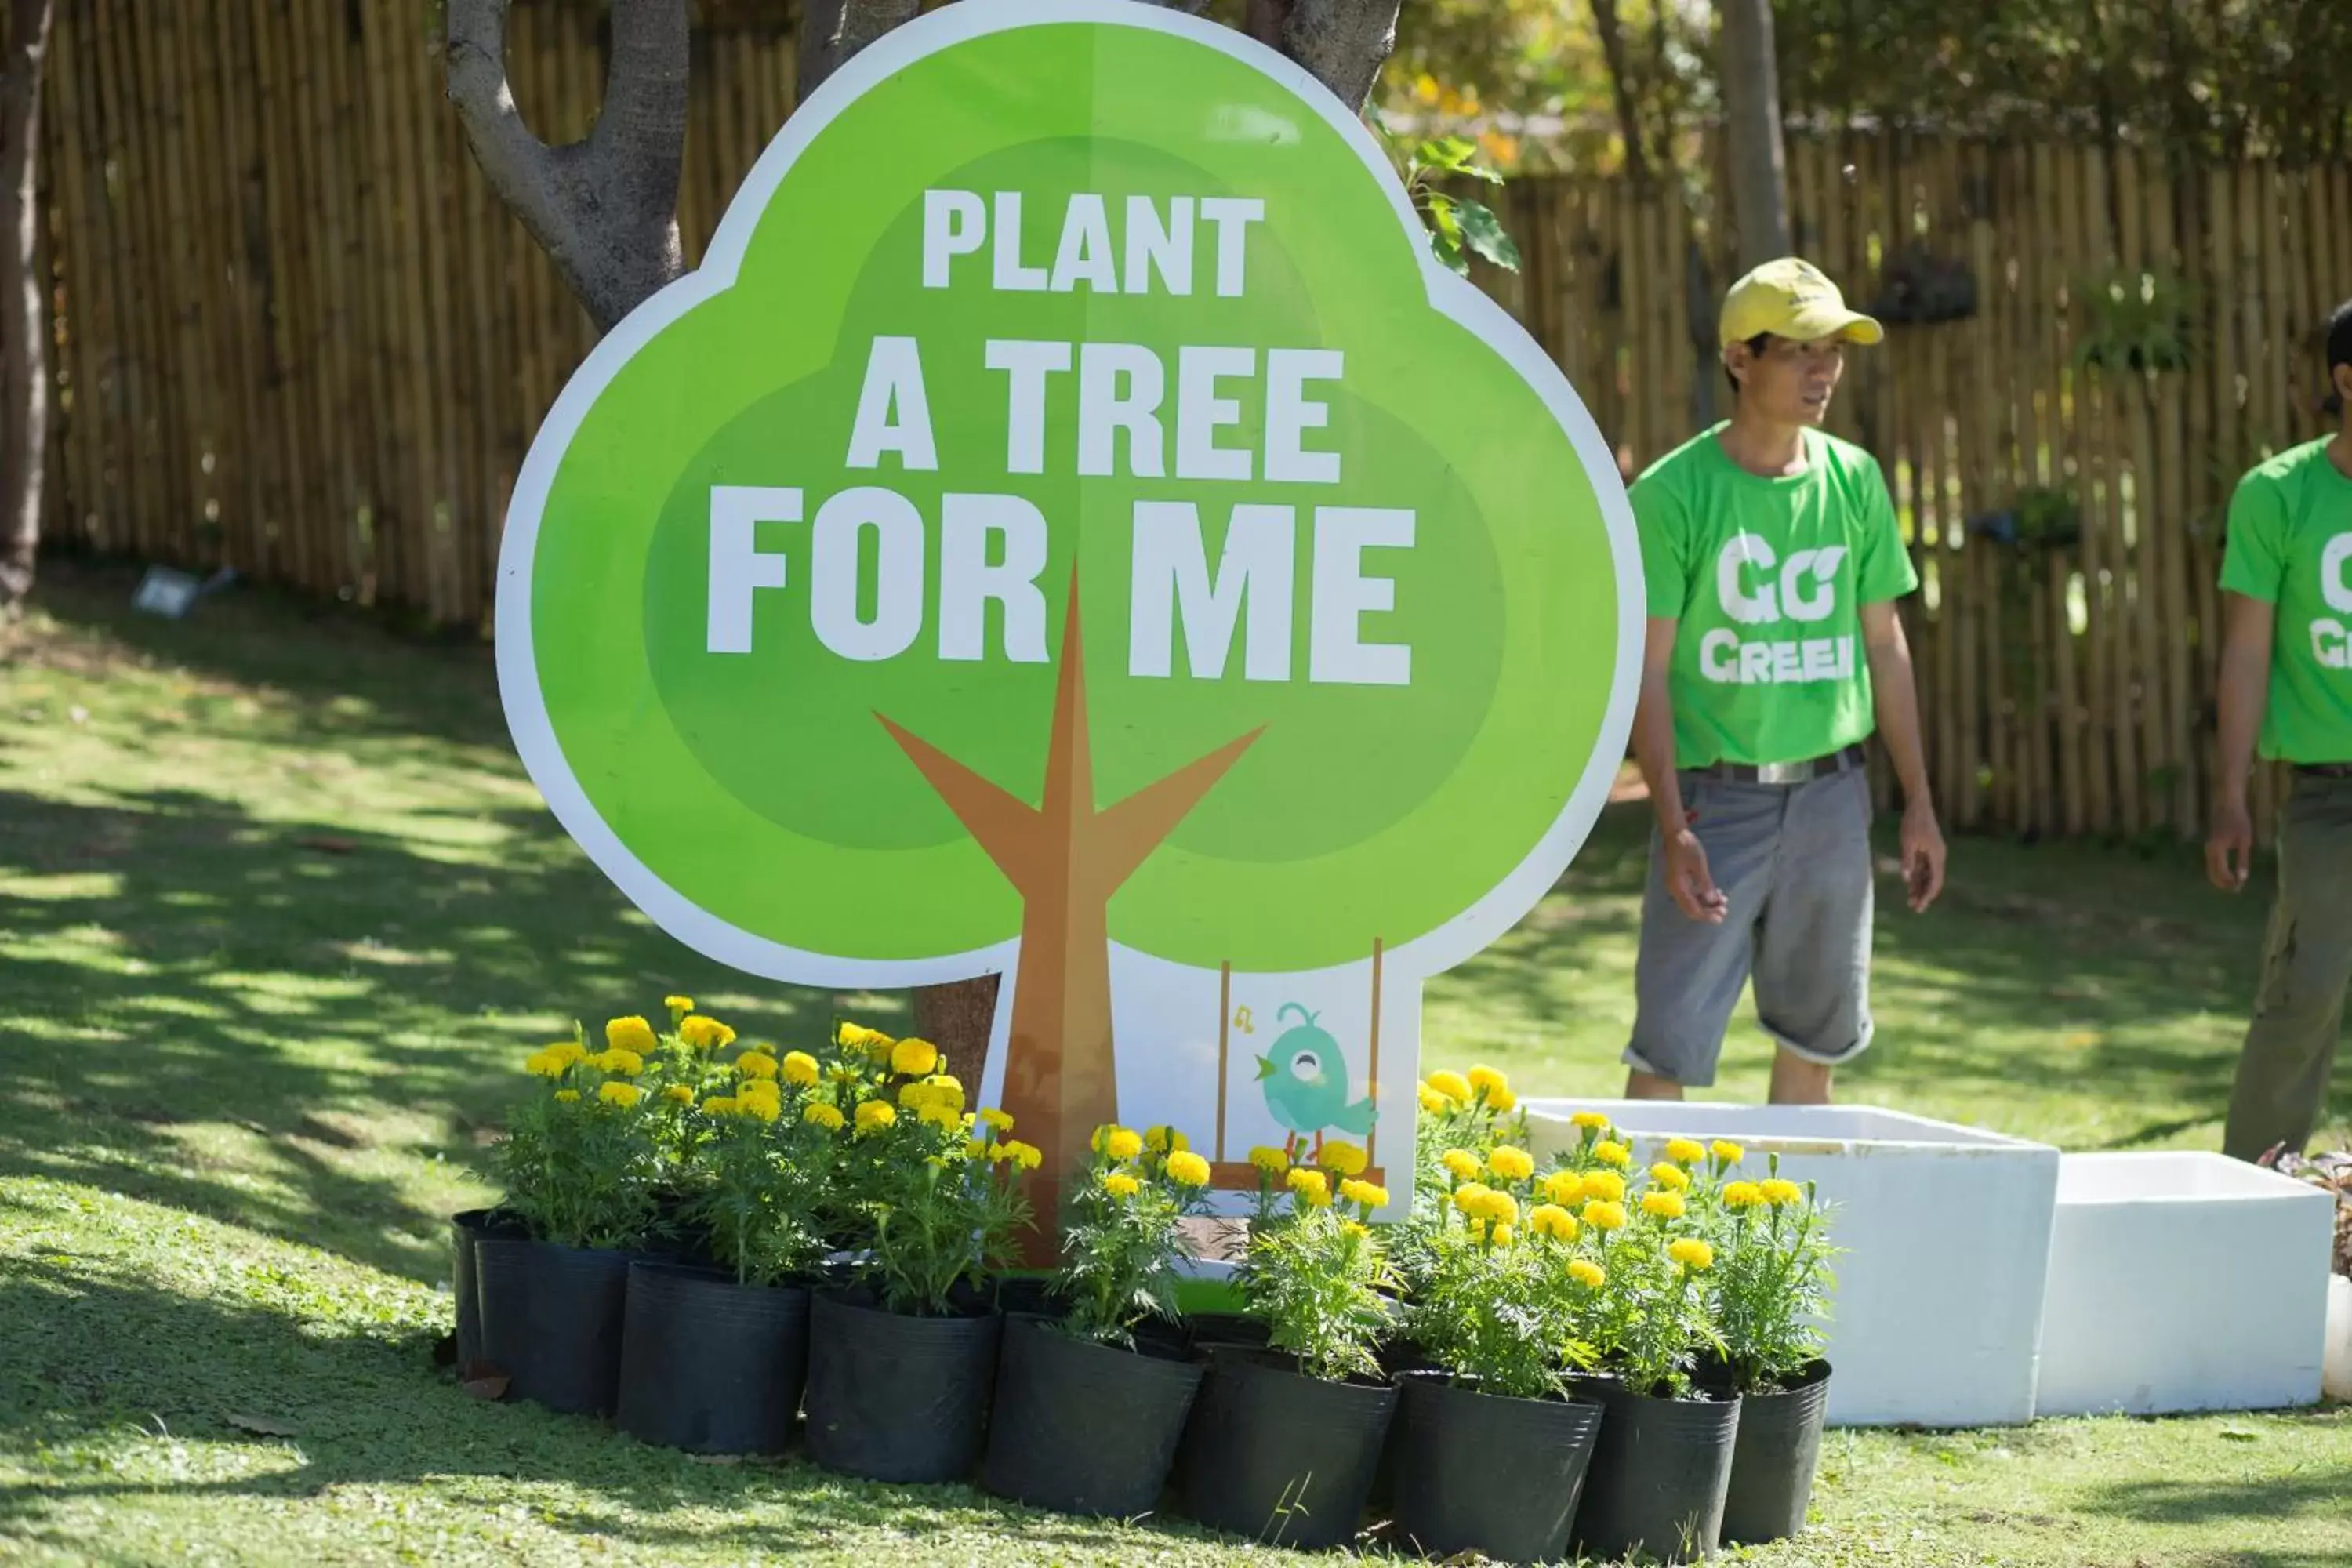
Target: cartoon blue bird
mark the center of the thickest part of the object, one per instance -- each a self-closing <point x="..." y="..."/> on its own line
<point x="1306" y="1081"/>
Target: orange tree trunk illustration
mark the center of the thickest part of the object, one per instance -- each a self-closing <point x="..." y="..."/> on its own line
<point x="1065" y="858"/>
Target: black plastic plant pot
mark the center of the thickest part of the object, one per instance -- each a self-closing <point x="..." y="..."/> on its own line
<point x="892" y="1397"/>
<point x="1279" y="1457"/>
<point x="551" y="1319"/>
<point x="1486" y="1472"/>
<point x="1660" y="1469"/>
<point x="1214" y="1331"/>
<point x="708" y="1365"/>
<point x="1084" y="1427"/>
<point x="1773" y="1462"/>
<point x="465" y="1230"/>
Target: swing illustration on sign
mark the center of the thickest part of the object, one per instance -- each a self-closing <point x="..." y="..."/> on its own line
<point x="1120" y="558"/>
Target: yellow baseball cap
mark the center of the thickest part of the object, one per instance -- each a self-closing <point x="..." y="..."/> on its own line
<point x="1793" y="299"/>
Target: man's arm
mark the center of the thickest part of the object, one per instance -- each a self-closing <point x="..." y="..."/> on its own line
<point x="1895" y="696"/>
<point x="1687" y="878"/>
<point x="2243" y="693"/>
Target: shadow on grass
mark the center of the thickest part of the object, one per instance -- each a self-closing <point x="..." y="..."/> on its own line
<point x="187" y="973"/>
<point x="93" y="1352"/>
<point x="2324" y="1491"/>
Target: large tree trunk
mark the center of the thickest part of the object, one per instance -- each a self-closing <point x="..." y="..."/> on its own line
<point x="1751" y="73"/>
<point x="25" y="322"/>
<point x="605" y="209"/>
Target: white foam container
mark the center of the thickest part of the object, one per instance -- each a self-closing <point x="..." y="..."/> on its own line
<point x="1937" y="1319"/>
<point x="2183" y="1282"/>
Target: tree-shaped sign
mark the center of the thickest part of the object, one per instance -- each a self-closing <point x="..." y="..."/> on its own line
<point x="1071" y="527"/>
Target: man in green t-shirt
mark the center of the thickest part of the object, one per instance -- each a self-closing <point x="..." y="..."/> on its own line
<point x="2286" y="674"/>
<point x="1774" y="562"/>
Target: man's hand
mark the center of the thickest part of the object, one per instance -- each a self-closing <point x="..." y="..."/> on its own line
<point x="2229" y="847"/>
<point x="1923" y="855"/>
<point x="1689" y="881"/>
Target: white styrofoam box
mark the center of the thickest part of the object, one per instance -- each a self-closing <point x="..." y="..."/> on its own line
<point x="1945" y="1232"/>
<point x="2335" y="1372"/>
<point x="2183" y="1282"/>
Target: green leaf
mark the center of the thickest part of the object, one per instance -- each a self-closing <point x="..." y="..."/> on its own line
<point x="1375" y="119"/>
<point x="1482" y="231"/>
<point x="1451" y="153"/>
<point x="1444" y="212"/>
<point x="1449" y="253"/>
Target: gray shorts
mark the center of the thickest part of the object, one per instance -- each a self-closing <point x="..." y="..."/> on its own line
<point x="1793" y="861"/>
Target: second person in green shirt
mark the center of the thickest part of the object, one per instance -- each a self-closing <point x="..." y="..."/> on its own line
<point x="1774" y="561"/>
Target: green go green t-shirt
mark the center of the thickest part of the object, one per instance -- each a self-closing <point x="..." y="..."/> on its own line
<point x="1767" y="577"/>
<point x="2291" y="545"/>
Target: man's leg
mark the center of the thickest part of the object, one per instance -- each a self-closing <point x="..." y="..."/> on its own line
<point x="2307" y="964"/>
<point x="1812" y="944"/>
<point x="1688" y="974"/>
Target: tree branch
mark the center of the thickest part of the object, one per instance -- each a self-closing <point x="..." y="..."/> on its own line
<point x="1342" y="43"/>
<point x="831" y="32"/>
<point x="1005" y="828"/>
<point x="605" y="209"/>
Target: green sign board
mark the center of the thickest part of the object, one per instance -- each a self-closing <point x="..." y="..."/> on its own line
<point x="1071" y="526"/>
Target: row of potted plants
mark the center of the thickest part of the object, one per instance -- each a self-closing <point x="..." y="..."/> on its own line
<point x="702" y="1238"/>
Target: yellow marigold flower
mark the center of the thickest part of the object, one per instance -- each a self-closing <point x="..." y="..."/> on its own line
<point x="756" y="1064"/>
<point x="1122" y="1143"/>
<point x="1452" y="1084"/>
<point x="1591" y="1119"/>
<point x="1272" y="1161"/>
<point x="1550" y="1219"/>
<point x="1607" y="1185"/>
<point x="630" y="1034"/>
<point x="800" y="1069"/>
<point x="1779" y="1190"/>
<point x="941" y="1115"/>
<point x="1691" y="1253"/>
<point x="1485" y="1077"/>
<point x="567" y="1096"/>
<point x="1348" y="1159"/>
<point x="1470" y="1196"/>
<point x="975" y="1149"/>
<point x="760" y="1109"/>
<point x="1432" y="1102"/>
<point x="1028" y="1156"/>
<point x="678" y="1093"/>
<point x="1462" y="1165"/>
<point x="718" y="1105"/>
<point x="1609" y="1152"/>
<point x="1501" y="1102"/>
<point x="1511" y="1164"/>
<point x="757" y="1088"/>
<point x="1672" y="1176"/>
<point x="678" y="1004"/>
<point x="1603" y="1214"/>
<point x="704" y="1033"/>
<point x="911" y="1057"/>
<point x="874" y="1114"/>
<point x="1500" y="1207"/>
<point x="1724" y="1150"/>
<point x="1187" y="1169"/>
<point x="1364" y="1193"/>
<point x="1312" y="1186"/>
<point x="1686" y="1150"/>
<point x="947" y="1089"/>
<point x="546" y="1064"/>
<point x="852" y="1036"/>
<point x="1586" y="1273"/>
<point x="1499" y="1235"/>
<point x="1742" y="1194"/>
<point x="1165" y="1141"/>
<point x="1662" y="1205"/>
<point x="819" y="1114"/>
<point x="623" y="1063"/>
<point x="1120" y="1185"/>
<point x="914" y="1096"/>
<point x="1562" y="1187"/>
<point x="1353" y="1227"/>
<point x="998" y="1120"/>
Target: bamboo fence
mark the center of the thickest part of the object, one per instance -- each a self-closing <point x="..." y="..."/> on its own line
<point x="298" y="335"/>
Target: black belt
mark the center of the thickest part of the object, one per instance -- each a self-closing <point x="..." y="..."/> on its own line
<point x="1843" y="761"/>
<point x="2326" y="770"/>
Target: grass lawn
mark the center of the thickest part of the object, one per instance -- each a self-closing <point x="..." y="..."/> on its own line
<point x="279" y="913"/>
